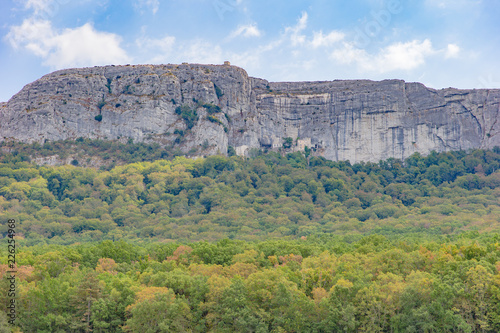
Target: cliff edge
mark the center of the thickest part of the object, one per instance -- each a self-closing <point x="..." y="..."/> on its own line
<point x="204" y="109"/>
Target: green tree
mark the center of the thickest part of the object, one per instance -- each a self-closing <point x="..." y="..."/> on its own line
<point x="158" y="310"/>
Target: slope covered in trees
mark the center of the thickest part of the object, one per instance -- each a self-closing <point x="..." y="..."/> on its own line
<point x="318" y="284"/>
<point x="273" y="243"/>
<point x="269" y="195"/>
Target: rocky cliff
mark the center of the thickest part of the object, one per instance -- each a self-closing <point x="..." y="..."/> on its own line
<point x="203" y="109"/>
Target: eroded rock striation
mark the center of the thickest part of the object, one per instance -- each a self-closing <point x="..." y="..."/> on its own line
<point x="204" y="109"/>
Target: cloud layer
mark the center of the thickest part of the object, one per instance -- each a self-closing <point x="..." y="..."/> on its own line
<point x="397" y="56"/>
<point x="78" y="47"/>
<point x="306" y="48"/>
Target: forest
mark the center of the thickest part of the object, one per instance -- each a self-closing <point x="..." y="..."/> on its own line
<point x="274" y="242"/>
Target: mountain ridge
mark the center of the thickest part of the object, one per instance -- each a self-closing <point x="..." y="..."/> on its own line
<point x="204" y="109"/>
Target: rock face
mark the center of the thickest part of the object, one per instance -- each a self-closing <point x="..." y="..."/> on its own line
<point x="356" y="120"/>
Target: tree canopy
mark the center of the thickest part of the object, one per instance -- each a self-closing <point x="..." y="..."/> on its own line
<point x="271" y="243"/>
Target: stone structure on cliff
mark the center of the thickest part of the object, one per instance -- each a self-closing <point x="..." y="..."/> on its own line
<point x="356" y="120"/>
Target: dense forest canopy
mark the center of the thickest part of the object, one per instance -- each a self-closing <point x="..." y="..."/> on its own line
<point x="270" y="243"/>
<point x="268" y="195"/>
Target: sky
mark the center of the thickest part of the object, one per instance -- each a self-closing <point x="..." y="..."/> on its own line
<point x="441" y="43"/>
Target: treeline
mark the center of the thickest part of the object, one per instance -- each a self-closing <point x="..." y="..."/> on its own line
<point x="109" y="153"/>
<point x="315" y="284"/>
<point x="269" y="195"/>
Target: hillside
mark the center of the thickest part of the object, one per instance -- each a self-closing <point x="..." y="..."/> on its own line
<point x="270" y="243"/>
<point x="269" y="195"/>
<point x="203" y="110"/>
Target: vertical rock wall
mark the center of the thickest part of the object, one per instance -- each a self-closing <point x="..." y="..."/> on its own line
<point x="356" y="120"/>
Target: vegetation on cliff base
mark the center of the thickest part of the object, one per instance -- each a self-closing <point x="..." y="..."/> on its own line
<point x="269" y="195"/>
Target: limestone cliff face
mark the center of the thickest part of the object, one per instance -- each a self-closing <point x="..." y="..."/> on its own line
<point x="354" y="120"/>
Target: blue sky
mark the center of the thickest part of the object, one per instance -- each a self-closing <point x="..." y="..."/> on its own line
<point x="441" y="43"/>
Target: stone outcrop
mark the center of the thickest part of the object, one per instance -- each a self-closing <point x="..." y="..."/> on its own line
<point x="356" y="120"/>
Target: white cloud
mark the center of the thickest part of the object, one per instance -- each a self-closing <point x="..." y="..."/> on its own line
<point x="47" y="9"/>
<point x="349" y="54"/>
<point x="249" y="30"/>
<point x="320" y="40"/>
<point x="158" y="49"/>
<point x="163" y="45"/>
<point x="153" y="5"/>
<point x="452" y="51"/>
<point x="298" y="38"/>
<point x="295" y="32"/>
<point x="200" y="51"/>
<point x="82" y="46"/>
<point x="404" y="56"/>
<point x="40" y="7"/>
<point x="34" y="35"/>
<point x="397" y="56"/>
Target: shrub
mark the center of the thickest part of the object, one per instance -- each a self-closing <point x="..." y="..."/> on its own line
<point x="214" y="120"/>
<point x="108" y="85"/>
<point x="211" y="108"/>
<point x="287" y="142"/>
<point x="101" y="104"/>
<point x="218" y="91"/>
<point x="189" y="116"/>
